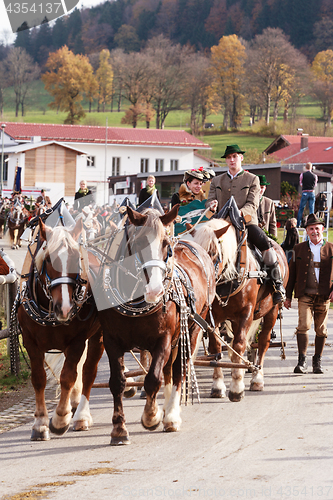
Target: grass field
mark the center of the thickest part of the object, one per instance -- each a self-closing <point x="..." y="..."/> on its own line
<point x="252" y="139"/>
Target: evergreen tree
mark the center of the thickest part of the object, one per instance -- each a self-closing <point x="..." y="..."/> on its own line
<point x="59" y="33"/>
<point x="23" y="38"/>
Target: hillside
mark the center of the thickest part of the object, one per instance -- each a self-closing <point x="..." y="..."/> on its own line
<point x="128" y="24"/>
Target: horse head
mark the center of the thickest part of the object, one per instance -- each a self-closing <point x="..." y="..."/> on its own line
<point x="58" y="263"/>
<point x="218" y="238"/>
<point x="149" y="239"/>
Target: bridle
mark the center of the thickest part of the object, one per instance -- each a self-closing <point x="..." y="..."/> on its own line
<point x="31" y="301"/>
<point x="132" y="307"/>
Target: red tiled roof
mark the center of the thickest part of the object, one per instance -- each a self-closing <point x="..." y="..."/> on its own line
<point x="96" y="135"/>
<point x="316" y="152"/>
<point x="296" y="139"/>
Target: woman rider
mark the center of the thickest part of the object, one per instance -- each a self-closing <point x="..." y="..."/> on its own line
<point x="191" y="189"/>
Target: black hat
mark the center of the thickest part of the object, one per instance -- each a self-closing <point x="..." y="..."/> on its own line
<point x="263" y="181"/>
<point x="234" y="148"/>
<point x="312" y="220"/>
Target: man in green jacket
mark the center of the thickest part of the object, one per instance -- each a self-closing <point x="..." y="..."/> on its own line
<point x="311" y="278"/>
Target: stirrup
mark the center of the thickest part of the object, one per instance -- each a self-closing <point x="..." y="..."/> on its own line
<point x="279" y="294"/>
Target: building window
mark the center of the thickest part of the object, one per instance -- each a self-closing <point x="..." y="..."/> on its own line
<point x="115" y="166"/>
<point x="91" y="161"/>
<point x="144" y="165"/>
<point x="159" y="165"/>
<point x="173" y="164"/>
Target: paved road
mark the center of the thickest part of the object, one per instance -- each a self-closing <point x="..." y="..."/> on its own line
<point x="272" y="445"/>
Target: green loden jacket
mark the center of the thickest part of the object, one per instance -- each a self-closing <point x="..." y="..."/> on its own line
<point x="245" y="188"/>
<point x="299" y="267"/>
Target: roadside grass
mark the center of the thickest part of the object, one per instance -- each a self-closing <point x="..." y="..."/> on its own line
<point x="8" y="381"/>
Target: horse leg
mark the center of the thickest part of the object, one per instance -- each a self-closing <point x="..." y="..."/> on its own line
<point x="117" y="384"/>
<point x="218" y="389"/>
<point x="152" y="414"/>
<point x="77" y="388"/>
<point x="240" y="329"/>
<point x="82" y="419"/>
<point x="171" y="407"/>
<point x="257" y="381"/>
<point x="145" y="360"/>
<point x="172" y="420"/>
<point x="40" y="428"/>
<point x="60" y="420"/>
<point x="14" y="246"/>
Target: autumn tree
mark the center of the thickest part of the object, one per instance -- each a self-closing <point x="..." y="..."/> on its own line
<point x="132" y="75"/>
<point x="198" y="81"/>
<point x="104" y="77"/>
<point x="167" y="76"/>
<point x="322" y="70"/>
<point x="67" y="81"/>
<point x="227" y="73"/>
<point x="272" y="66"/>
<point x="21" y="72"/>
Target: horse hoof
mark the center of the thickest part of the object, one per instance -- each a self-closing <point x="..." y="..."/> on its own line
<point x="120" y="440"/>
<point x="256" y="387"/>
<point x="216" y="393"/>
<point x="81" y="425"/>
<point x="40" y="435"/>
<point x="59" y="432"/>
<point x="152" y="428"/>
<point x="170" y="427"/>
<point x="130" y="392"/>
<point x="235" y="397"/>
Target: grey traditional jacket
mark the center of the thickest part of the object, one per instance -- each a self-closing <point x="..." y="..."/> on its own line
<point x="245" y="188"/>
<point x="267" y="211"/>
<point x="299" y="267"/>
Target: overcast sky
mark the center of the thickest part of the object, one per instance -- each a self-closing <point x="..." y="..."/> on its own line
<point x="6" y="34"/>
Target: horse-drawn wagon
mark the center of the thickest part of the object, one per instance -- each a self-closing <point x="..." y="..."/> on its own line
<point x="147" y="289"/>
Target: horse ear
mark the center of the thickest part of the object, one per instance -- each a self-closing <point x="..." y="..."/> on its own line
<point x="167" y="218"/>
<point x="135" y="217"/>
<point x="189" y="227"/>
<point x="77" y="229"/>
<point x="45" y="232"/>
<point x="220" y="232"/>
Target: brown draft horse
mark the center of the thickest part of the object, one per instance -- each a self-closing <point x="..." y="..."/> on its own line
<point x="16" y="223"/>
<point x="57" y="311"/>
<point x="252" y="302"/>
<point x="156" y="327"/>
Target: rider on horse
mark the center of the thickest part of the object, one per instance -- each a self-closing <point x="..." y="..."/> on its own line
<point x="245" y="188"/>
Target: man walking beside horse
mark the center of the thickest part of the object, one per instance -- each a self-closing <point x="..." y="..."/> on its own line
<point x="311" y="276"/>
<point x="245" y="188"/>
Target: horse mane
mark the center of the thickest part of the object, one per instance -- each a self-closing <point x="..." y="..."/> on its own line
<point x="60" y="238"/>
<point x="225" y="248"/>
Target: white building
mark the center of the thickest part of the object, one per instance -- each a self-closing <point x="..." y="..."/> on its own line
<point x="57" y="157"/>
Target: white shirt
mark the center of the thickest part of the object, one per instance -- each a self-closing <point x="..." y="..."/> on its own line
<point x="315" y="249"/>
<point x="233" y="176"/>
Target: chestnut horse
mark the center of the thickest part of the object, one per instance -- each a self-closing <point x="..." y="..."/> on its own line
<point x="56" y="311"/>
<point x="251" y="302"/>
<point x="149" y="319"/>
